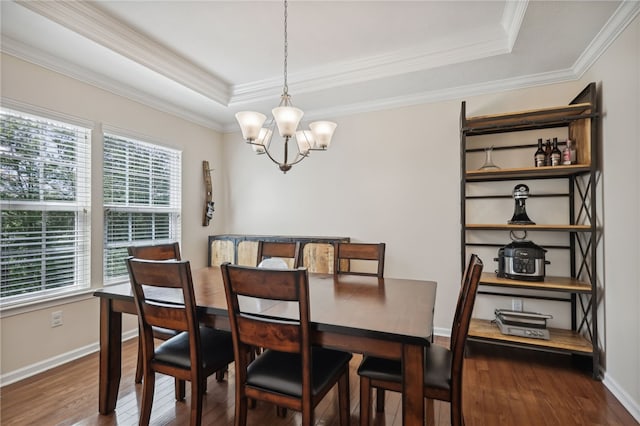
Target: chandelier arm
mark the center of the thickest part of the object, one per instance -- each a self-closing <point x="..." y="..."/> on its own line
<point x="285" y="164"/>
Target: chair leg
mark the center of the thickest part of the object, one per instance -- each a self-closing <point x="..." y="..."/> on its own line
<point x="220" y="374"/>
<point x="343" y="399"/>
<point x="148" y="388"/>
<point x="281" y="412"/>
<point x="241" y="411"/>
<point x="365" y="401"/>
<point x="140" y="362"/>
<point x="197" y="395"/>
<point x="456" y="415"/>
<point x="431" y="420"/>
<point x="180" y="390"/>
<point x="379" y="400"/>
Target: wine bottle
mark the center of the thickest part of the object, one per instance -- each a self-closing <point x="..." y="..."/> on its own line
<point x="538" y="157"/>
<point x="569" y="154"/>
<point x="556" y="155"/>
<point x="547" y="153"/>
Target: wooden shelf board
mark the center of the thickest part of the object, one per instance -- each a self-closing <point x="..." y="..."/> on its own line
<point x="527" y="172"/>
<point x="566" y="284"/>
<point x="514" y="120"/>
<point x="561" y="340"/>
<point x="508" y="227"/>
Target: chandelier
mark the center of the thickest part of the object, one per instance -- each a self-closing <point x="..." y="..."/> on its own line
<point x="287" y="118"/>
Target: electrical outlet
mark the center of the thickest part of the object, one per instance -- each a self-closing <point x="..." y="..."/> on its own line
<point x="516" y="305"/>
<point x="56" y="319"/>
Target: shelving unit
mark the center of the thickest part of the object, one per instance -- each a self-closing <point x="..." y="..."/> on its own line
<point x="579" y="286"/>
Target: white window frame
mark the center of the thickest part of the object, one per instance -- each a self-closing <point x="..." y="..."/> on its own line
<point x="131" y="206"/>
<point x="81" y="279"/>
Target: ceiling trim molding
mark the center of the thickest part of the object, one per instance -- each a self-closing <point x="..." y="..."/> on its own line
<point x="38" y="57"/>
<point x="426" y="97"/>
<point x="623" y="15"/>
<point x="489" y="43"/>
<point x="88" y="20"/>
<point x="512" y="18"/>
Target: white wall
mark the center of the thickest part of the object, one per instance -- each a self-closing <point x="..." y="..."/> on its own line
<point x="29" y="85"/>
<point x="618" y="74"/>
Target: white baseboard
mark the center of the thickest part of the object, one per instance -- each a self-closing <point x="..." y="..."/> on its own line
<point x="440" y="331"/>
<point x="42" y="366"/>
<point x="633" y="407"/>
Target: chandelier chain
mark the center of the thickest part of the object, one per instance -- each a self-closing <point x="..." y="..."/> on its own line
<point x="285" y="120"/>
<point x="285" y="88"/>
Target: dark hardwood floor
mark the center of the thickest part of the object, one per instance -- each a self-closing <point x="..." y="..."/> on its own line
<point x="502" y="387"/>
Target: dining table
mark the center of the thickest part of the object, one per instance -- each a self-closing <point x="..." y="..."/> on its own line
<point x="384" y="317"/>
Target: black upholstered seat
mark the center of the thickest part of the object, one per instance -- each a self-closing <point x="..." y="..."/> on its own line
<point x="216" y="348"/>
<point x="282" y="372"/>
<point x="192" y="355"/>
<point x="437" y="368"/>
<point x="442" y="368"/>
<point x="290" y="373"/>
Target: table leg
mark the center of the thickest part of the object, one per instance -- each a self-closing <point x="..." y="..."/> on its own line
<point x="110" y="355"/>
<point x="412" y="385"/>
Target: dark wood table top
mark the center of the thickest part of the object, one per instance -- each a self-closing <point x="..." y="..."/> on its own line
<point x="383" y="308"/>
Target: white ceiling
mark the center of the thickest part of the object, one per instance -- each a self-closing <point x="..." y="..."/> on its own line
<point x="206" y="60"/>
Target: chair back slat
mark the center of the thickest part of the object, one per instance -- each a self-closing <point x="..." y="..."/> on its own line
<point x="270" y="334"/>
<point x="275" y="284"/>
<point x="152" y="282"/>
<point x="269" y="328"/>
<point x="289" y="251"/>
<point x="169" y="251"/>
<point x="344" y="253"/>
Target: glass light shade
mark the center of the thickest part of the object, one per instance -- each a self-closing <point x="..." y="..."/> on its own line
<point x="250" y="124"/>
<point x="323" y="132"/>
<point x="287" y="118"/>
<point x="305" y="141"/>
<point x="264" y="137"/>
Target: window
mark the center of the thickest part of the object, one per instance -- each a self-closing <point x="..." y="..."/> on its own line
<point x="142" y="199"/>
<point x="44" y="207"/>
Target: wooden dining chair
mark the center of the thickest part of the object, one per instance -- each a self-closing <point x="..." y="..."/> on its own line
<point x="168" y="251"/>
<point x="290" y="373"/>
<point x="288" y="251"/>
<point x="345" y="253"/>
<point x="192" y="355"/>
<point x="443" y="366"/>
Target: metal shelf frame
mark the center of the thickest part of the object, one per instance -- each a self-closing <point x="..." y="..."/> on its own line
<point x="583" y="228"/>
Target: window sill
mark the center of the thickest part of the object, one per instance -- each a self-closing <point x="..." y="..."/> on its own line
<point x="26" y="306"/>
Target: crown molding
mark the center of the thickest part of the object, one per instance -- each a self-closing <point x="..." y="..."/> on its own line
<point x="350" y="72"/>
<point x="486" y="44"/>
<point x="88" y="20"/>
<point x="420" y="58"/>
<point x="623" y="15"/>
<point x="512" y="18"/>
<point x="36" y="56"/>
<point x="431" y="96"/>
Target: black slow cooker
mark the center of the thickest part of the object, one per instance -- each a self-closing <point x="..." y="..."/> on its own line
<point x="522" y="260"/>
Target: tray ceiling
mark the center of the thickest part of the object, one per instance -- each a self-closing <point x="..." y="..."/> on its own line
<point x="206" y="60"/>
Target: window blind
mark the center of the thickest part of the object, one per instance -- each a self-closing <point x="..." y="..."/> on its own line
<point x="142" y="199"/>
<point x="44" y="207"/>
